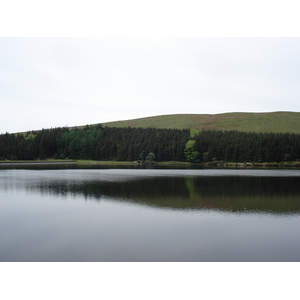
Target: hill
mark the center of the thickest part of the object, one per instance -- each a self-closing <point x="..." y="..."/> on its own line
<point x="233" y="137"/>
<point x="283" y="122"/>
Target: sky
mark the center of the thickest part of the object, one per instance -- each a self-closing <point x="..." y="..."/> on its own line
<point x="68" y="64"/>
<point x="54" y="82"/>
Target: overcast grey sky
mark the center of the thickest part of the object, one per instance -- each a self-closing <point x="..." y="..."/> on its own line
<point x="53" y="82"/>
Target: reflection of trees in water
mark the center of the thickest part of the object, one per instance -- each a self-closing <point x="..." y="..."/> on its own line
<point x="271" y="194"/>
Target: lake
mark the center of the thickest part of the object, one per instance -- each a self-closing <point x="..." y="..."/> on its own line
<point x="196" y="215"/>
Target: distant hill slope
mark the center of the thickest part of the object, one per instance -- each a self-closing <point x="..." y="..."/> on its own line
<point x="248" y="122"/>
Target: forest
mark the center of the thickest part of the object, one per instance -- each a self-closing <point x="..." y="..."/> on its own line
<point x="96" y="143"/>
<point x="235" y="146"/>
<point x="132" y="144"/>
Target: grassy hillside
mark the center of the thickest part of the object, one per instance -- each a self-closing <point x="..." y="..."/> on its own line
<point x="248" y="122"/>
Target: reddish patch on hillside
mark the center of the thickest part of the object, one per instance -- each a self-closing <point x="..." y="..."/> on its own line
<point x="210" y="122"/>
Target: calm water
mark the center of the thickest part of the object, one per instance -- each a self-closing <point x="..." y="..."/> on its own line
<point x="149" y="215"/>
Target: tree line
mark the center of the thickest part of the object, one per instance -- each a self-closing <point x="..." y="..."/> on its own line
<point x="96" y="143"/>
<point x="130" y="144"/>
<point x="236" y="146"/>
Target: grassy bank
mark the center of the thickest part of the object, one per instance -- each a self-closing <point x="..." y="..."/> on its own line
<point x="98" y="162"/>
<point x="130" y="163"/>
<point x="295" y="164"/>
<point x="290" y="164"/>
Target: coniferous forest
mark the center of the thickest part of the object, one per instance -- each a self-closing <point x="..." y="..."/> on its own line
<point x="235" y="146"/>
<point x="96" y="143"/>
<point x="131" y="144"/>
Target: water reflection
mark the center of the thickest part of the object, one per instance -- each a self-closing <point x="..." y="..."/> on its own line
<point x="222" y="193"/>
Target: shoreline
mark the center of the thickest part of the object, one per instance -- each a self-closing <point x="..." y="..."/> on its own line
<point x="8" y="163"/>
<point x="229" y="165"/>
